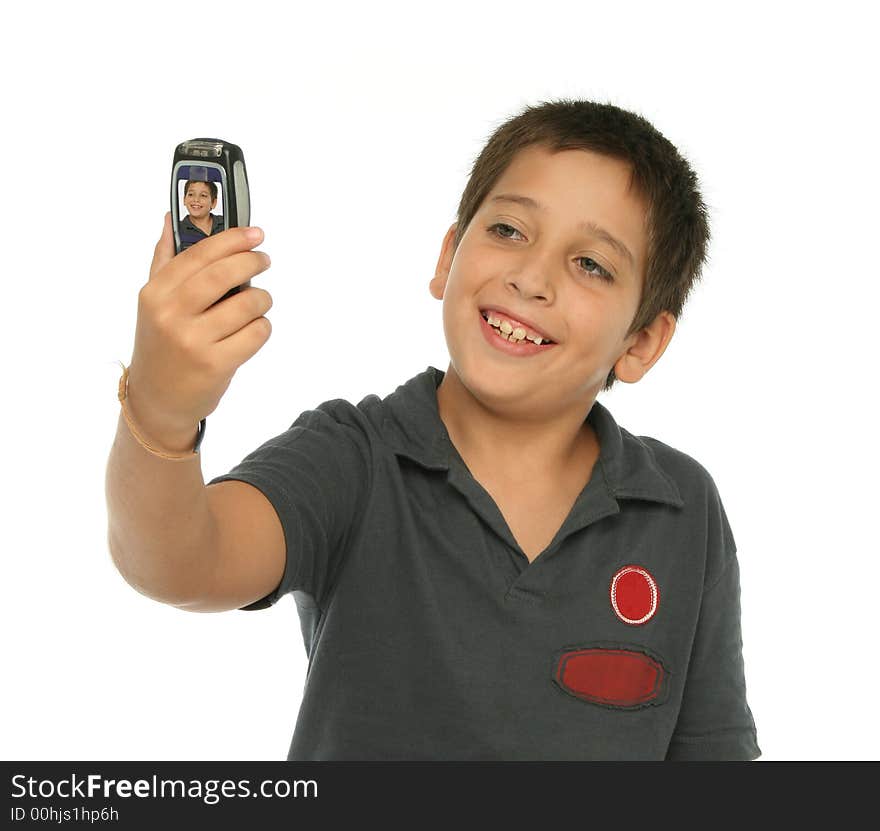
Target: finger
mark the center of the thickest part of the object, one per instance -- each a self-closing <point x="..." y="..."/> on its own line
<point x="242" y="345"/>
<point x="208" y="251"/>
<point x="164" y="251"/>
<point x="234" y="313"/>
<point x="200" y="291"/>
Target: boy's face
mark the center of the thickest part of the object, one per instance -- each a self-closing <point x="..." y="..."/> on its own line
<point x="198" y="201"/>
<point x="533" y="265"/>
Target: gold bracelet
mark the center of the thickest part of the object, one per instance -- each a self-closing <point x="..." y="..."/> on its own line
<point x="123" y="394"/>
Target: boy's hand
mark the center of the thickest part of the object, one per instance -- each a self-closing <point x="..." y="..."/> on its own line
<point x="185" y="352"/>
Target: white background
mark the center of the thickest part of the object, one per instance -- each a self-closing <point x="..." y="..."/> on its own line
<point x="359" y="124"/>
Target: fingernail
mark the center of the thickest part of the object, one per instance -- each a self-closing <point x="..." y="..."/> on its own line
<point x="253" y="234"/>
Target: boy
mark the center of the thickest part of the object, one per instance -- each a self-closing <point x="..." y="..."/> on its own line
<point x="484" y="564"/>
<point x="199" y="199"/>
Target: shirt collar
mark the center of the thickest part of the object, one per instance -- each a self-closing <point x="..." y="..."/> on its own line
<point x="216" y="223"/>
<point x="413" y="428"/>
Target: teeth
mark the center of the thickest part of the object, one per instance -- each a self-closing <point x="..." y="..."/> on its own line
<point x="511" y="334"/>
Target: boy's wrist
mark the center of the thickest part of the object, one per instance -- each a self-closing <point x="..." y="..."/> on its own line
<point x="154" y="431"/>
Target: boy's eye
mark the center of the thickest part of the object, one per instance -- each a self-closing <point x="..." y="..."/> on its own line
<point x="492" y="228"/>
<point x="601" y="273"/>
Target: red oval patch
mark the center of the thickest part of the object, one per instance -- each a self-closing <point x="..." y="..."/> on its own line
<point x="615" y="677"/>
<point x="634" y="595"/>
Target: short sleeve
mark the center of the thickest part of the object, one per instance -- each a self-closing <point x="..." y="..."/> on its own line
<point x="715" y="722"/>
<point x="317" y="477"/>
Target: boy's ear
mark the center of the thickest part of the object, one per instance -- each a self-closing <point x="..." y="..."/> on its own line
<point x="645" y="348"/>
<point x="437" y="286"/>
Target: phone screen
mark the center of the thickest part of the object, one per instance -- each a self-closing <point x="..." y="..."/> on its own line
<point x="201" y="202"/>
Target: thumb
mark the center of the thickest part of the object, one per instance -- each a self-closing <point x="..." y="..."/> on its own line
<point x="164" y="251"/>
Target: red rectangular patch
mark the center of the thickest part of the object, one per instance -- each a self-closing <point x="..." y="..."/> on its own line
<point x="619" y="676"/>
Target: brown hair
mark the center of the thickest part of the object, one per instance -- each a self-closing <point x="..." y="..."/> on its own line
<point x="677" y="220"/>
<point x="212" y="186"/>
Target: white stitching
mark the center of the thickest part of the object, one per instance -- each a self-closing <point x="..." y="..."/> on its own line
<point x="651" y="584"/>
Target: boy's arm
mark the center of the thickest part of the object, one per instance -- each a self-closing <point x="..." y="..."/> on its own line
<point x="182" y="543"/>
<point x="715" y="722"/>
<point x="163" y="535"/>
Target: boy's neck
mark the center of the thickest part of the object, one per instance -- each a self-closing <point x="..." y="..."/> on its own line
<point x="517" y="450"/>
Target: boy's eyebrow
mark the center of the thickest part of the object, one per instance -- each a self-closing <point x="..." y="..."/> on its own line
<point x="590" y="227"/>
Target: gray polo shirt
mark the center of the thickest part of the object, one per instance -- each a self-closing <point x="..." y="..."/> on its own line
<point x="190" y="234"/>
<point x="429" y="634"/>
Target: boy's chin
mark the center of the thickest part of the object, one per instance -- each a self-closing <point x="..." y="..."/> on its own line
<point x="486" y="380"/>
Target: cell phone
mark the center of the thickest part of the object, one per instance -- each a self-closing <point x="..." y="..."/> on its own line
<point x="209" y="193"/>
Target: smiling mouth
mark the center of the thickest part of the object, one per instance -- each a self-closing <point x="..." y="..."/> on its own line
<point x="514" y="334"/>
